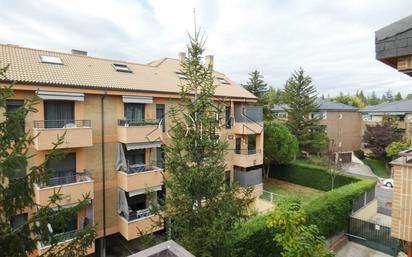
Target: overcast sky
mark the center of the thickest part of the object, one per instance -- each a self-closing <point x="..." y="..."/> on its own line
<point x="332" y="40"/>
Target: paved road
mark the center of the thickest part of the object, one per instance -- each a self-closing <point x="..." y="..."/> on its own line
<point x="384" y="196"/>
<point x="356" y="250"/>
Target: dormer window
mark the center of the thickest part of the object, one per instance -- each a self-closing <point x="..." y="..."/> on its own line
<point x="121" y="67"/>
<point x="51" y="59"/>
<point x="181" y="75"/>
<point x="223" y="80"/>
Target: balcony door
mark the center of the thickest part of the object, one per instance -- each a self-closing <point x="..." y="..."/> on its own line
<point x="58" y="114"/>
<point x="63" y="171"/>
<point x="160" y="114"/>
<point x="238" y="145"/>
<point x="134" y="112"/>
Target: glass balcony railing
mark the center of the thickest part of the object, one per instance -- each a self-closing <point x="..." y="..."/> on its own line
<point x="42" y="124"/>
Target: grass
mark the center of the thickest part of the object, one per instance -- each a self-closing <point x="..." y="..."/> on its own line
<point x="378" y="167"/>
<point x="284" y="188"/>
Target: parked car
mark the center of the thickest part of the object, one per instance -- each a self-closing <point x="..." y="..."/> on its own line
<point x="388" y="182"/>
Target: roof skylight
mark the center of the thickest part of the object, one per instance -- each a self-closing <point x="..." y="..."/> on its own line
<point x="223" y="80"/>
<point x="121" y="67"/>
<point x="51" y="59"/>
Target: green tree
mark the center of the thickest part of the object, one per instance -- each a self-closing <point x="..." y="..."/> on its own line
<point x="280" y="146"/>
<point x="301" y="99"/>
<point x="17" y="191"/>
<point x="398" y="96"/>
<point x="256" y="85"/>
<point x="350" y="100"/>
<point x="295" y="237"/>
<point x="378" y="137"/>
<point x="361" y="96"/>
<point x="203" y="209"/>
<point x="373" y="99"/>
<point x="408" y="97"/>
<point x="393" y="149"/>
<point x="388" y="96"/>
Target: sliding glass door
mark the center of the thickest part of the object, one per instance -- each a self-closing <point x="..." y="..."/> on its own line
<point x="58" y="114"/>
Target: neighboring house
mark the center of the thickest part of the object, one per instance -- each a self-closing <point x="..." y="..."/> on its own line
<point x="115" y="113"/>
<point x="393" y="45"/>
<point x="341" y="123"/>
<point x="400" y="111"/>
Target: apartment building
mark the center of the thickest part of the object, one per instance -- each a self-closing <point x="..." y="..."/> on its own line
<point x="393" y="46"/>
<point x="400" y="112"/>
<point x="114" y="116"/>
<point x="341" y="122"/>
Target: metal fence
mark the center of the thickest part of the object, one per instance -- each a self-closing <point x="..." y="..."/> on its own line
<point x="41" y="124"/>
<point x="247" y="151"/>
<point x="270" y="196"/>
<point x="142" y="122"/>
<point x="363" y="200"/>
<point x="373" y="235"/>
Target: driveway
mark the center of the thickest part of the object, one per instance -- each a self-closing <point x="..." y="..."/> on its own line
<point x="357" y="169"/>
<point x="352" y="249"/>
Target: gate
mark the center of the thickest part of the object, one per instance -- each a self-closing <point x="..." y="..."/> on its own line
<point x="373" y="235"/>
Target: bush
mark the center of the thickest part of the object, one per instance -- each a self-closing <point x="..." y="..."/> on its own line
<point x="330" y="211"/>
<point x="309" y="175"/>
<point x="254" y="238"/>
<point x="359" y="153"/>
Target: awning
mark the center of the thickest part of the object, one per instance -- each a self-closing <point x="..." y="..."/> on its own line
<point x="145" y="190"/>
<point x="143" y="145"/>
<point x="51" y="95"/>
<point x="138" y="99"/>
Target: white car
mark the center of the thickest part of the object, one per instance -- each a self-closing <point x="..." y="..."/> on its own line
<point x="388" y="182"/>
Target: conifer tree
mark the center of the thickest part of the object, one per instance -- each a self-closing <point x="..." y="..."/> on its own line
<point x="373" y="99"/>
<point x="256" y="85"/>
<point x="17" y="191"/>
<point x="398" y="96"/>
<point x="202" y="208"/>
<point x="300" y="97"/>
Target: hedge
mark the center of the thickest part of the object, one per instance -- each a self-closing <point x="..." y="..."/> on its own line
<point x="309" y="175"/>
<point x="330" y="211"/>
<point x="254" y="239"/>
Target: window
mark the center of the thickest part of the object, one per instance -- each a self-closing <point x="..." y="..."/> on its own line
<point x="318" y="115"/>
<point x="63" y="170"/>
<point x="251" y="144"/>
<point x="228" y="117"/>
<point x="18" y="220"/>
<point x="340" y="116"/>
<point x="11" y="107"/>
<point x="134" y="112"/>
<point x="160" y="154"/>
<point x="121" y="67"/>
<point x="282" y="114"/>
<point x="136" y="156"/>
<point x="58" y="114"/>
<point x="137" y="202"/>
<point x="181" y="75"/>
<point x="222" y="80"/>
<point x="160" y="115"/>
<point x="227" y="179"/>
<point x="238" y="144"/>
<point x="51" y="59"/>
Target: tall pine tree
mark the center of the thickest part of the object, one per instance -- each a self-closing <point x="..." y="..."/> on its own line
<point x="300" y="97"/>
<point x="17" y="191"/>
<point x="203" y="209"/>
<point x="256" y="85"/>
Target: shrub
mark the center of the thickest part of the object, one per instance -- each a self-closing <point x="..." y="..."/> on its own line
<point x="359" y="153"/>
<point x="309" y="175"/>
<point x="329" y="212"/>
<point x="254" y="239"/>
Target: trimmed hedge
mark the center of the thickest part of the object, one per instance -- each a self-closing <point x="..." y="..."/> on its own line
<point x="254" y="239"/>
<point x="330" y="211"/>
<point x="309" y="175"/>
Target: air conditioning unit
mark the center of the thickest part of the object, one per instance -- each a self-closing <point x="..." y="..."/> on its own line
<point x="404" y="63"/>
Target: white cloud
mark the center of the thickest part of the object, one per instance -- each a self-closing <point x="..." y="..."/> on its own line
<point x="332" y="40"/>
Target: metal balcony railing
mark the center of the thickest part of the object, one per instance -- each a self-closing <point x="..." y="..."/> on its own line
<point x="61" y="237"/>
<point x="64" y="180"/>
<point x="41" y="124"/>
<point x="135" y="215"/>
<point x="136" y="168"/>
<point x="143" y="122"/>
<point x="247" y="151"/>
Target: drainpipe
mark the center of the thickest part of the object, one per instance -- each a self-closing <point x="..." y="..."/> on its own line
<point x="103" y="248"/>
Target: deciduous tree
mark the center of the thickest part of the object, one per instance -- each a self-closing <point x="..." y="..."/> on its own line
<point x="378" y="137"/>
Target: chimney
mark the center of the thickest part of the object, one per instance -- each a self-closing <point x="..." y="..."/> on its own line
<point x="209" y="61"/>
<point x="79" y="52"/>
<point x="182" y="56"/>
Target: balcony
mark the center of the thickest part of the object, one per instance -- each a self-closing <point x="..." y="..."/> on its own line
<point x="78" y="133"/>
<point x="247" y="158"/>
<point x="248" y="120"/>
<point x="135" y="222"/>
<point x="72" y="189"/>
<point x="248" y="178"/>
<point x="141" y="131"/>
<point x="139" y="177"/>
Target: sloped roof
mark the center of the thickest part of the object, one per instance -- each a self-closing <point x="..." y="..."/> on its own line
<point x="399" y="106"/>
<point x="324" y="105"/>
<point x="395" y="28"/>
<point x="91" y="72"/>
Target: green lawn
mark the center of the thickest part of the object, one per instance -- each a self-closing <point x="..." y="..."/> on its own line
<point x="378" y="167"/>
<point x="284" y="188"/>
